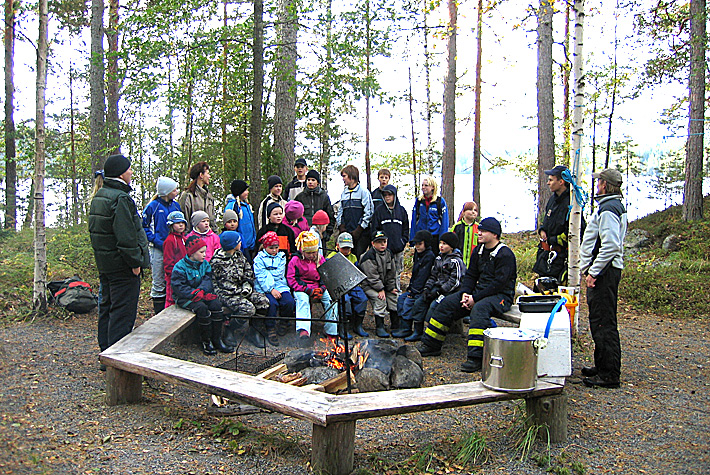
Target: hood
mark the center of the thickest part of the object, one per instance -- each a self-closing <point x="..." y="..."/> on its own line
<point x="392" y="189"/>
<point x="293" y="210"/>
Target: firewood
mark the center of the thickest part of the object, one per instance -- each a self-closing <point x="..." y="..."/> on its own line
<point x="298" y="382"/>
<point x="337" y="383"/>
<point x="314" y="387"/>
<point x="273" y="371"/>
<point x="287" y="378"/>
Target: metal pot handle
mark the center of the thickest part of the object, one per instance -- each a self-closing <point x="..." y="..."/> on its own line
<point x="496" y="359"/>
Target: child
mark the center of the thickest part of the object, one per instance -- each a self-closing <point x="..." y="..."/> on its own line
<point x="315" y="198"/>
<point x="320" y="223"/>
<point x="303" y="278"/>
<point x="287" y="240"/>
<point x="466" y="230"/>
<point x="294" y="217"/>
<point x="233" y="283"/>
<point x="355" y="299"/>
<point x="192" y="289"/>
<point x="391" y="218"/>
<point x="230" y="220"/>
<point x="421" y="269"/>
<point x="380" y="285"/>
<point x="156" y="228"/>
<point x="240" y="204"/>
<point x="173" y="250"/>
<point x="270" y="271"/>
<point x="201" y="227"/>
<point x="383" y="176"/>
<point x="445" y="278"/>
<point x="274" y="196"/>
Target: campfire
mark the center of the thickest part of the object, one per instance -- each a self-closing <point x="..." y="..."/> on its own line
<point x="334" y="356"/>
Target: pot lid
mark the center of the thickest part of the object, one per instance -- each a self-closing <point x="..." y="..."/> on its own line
<point x="511" y="334"/>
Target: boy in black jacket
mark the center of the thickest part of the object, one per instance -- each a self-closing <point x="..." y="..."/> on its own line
<point x="392" y="219"/>
<point x="421" y="269"/>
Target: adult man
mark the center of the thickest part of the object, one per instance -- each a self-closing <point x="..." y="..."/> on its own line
<point x="120" y="249"/>
<point x="553" y="248"/>
<point x="487" y="290"/>
<point x="601" y="263"/>
<point x="355" y="209"/>
<point x="314" y="198"/>
<point x="298" y="184"/>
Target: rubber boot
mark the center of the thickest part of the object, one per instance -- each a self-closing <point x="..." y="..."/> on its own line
<point x="418" y="331"/>
<point x="217" y="324"/>
<point x="357" y="326"/>
<point x="342" y="332"/>
<point x="404" y="330"/>
<point x="232" y="325"/>
<point x="205" y="330"/>
<point x="255" y="337"/>
<point x="158" y="305"/>
<point x="394" y="320"/>
<point x="381" y="332"/>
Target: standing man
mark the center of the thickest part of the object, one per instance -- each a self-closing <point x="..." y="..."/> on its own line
<point x="554" y="246"/>
<point x="298" y="184"/>
<point x="355" y="209"/>
<point x="601" y="263"/>
<point x="120" y="249"/>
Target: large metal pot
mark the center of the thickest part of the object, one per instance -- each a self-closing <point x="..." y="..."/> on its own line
<point x="509" y="359"/>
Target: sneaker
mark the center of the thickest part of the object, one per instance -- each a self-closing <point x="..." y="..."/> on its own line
<point x="589" y="371"/>
<point x="272" y="337"/>
<point x="426" y="350"/>
<point x="471" y="366"/>
<point x="599" y="382"/>
<point x="282" y="328"/>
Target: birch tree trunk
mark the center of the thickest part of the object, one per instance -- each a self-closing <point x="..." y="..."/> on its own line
<point x="257" y="100"/>
<point x="39" y="294"/>
<point x="545" y="112"/>
<point x="285" y="98"/>
<point x="97" y="112"/>
<point x="448" y="164"/>
<point x="10" y="152"/>
<point x="477" y="110"/>
<point x="113" y="83"/>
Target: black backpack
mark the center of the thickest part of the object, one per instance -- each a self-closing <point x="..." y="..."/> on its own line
<point x="73" y="294"/>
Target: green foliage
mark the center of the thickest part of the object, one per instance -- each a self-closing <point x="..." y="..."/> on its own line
<point x="525" y="434"/>
<point x="472" y="448"/>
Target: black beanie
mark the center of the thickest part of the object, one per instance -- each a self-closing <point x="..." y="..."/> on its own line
<point x="272" y="206"/>
<point x="274" y="180"/>
<point x="450" y="238"/>
<point x="116" y="165"/>
<point x="238" y="187"/>
<point x="423" y="236"/>
<point x="313" y="174"/>
<point x="491" y="225"/>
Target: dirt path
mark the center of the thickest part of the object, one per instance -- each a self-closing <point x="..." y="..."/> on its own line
<point x="53" y="418"/>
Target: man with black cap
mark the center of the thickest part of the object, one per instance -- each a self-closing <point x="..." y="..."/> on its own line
<point x="601" y="261"/>
<point x="120" y="249"/>
<point x="275" y="196"/>
<point x="297" y="185"/>
<point x="553" y="232"/>
<point x="487" y="290"/>
<point x="314" y="198"/>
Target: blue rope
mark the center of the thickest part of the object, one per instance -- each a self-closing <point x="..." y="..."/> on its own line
<point x="580" y="195"/>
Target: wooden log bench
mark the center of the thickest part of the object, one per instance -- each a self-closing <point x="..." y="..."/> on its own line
<point x="333" y="416"/>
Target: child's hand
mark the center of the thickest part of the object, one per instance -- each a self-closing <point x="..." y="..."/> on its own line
<point x="381" y="295"/>
<point x="317" y="293"/>
<point x="197" y="295"/>
<point x="209" y="297"/>
<point x="276" y="294"/>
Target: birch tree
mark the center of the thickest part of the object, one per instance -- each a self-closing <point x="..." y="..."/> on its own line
<point x="448" y="165"/>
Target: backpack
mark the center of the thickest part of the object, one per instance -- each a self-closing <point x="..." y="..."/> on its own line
<point x="439" y="211"/>
<point x="73" y="294"/>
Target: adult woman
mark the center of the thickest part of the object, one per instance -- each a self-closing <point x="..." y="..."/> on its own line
<point x="430" y="211"/>
<point x="197" y="197"/>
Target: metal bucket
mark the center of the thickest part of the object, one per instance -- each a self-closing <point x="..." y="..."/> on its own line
<point x="509" y="359"/>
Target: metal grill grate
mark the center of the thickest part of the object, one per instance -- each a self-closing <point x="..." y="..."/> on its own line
<point x="252" y="364"/>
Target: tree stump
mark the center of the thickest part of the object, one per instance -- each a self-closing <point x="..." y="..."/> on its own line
<point x="550" y="411"/>
<point x="333" y="448"/>
<point x="122" y="387"/>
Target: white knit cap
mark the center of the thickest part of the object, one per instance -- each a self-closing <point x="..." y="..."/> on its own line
<point x="165" y="186"/>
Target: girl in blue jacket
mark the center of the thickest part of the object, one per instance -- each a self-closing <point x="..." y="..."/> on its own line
<point x="247" y="228"/>
<point x="430" y="211"/>
<point x="270" y="272"/>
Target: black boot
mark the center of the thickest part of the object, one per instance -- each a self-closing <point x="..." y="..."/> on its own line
<point x="394" y="321"/>
<point x="381" y="332"/>
<point x="205" y="330"/>
<point x="232" y="326"/>
<point x="158" y="305"/>
<point x="342" y="333"/>
<point x="217" y="324"/>
<point x="418" y="332"/>
<point x="405" y="328"/>
<point x="255" y="337"/>
<point x="357" y="326"/>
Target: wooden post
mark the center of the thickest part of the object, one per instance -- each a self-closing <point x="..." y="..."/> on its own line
<point x="550" y="411"/>
<point x="122" y="387"/>
<point x="333" y="448"/>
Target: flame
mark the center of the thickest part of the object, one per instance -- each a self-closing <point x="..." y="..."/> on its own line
<point x="334" y="355"/>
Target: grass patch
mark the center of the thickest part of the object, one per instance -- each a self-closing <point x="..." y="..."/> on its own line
<point x="472" y="449"/>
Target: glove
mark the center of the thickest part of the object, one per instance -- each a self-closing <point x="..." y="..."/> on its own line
<point x="357" y="232"/>
<point x="197" y="295"/>
<point x="210" y="297"/>
<point x="317" y="293"/>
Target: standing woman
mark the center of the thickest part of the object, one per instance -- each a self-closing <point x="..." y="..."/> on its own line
<point x="120" y="249"/>
<point x="197" y="197"/>
<point x="247" y="227"/>
<point x="430" y="211"/>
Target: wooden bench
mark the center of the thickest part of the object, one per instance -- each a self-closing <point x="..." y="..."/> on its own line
<point x="333" y="417"/>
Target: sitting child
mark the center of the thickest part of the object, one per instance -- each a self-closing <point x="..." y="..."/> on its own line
<point x="192" y="289"/>
<point x="303" y="278"/>
<point x="201" y="228"/>
<point x="380" y="286"/>
<point x="270" y="271"/>
<point x="173" y="250"/>
<point x="233" y="283"/>
<point x="231" y="220"/>
<point x="275" y="216"/>
<point x="294" y="217"/>
<point x="320" y="224"/>
<point x="355" y="299"/>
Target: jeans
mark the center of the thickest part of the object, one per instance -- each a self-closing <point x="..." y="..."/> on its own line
<point x="405" y="305"/>
<point x="118" y="306"/>
<point x="303" y="310"/>
<point x="286" y="305"/>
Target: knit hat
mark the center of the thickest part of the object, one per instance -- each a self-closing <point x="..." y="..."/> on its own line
<point x="379" y="236"/>
<point x="176" y="217"/>
<point x="450" y="238"/>
<point x="165" y="186"/>
<point x="345" y="240"/>
<point x="423" y="236"/>
<point x="321" y="217"/>
<point x="313" y="174"/>
<point x="116" y="165"/>
<point x="229" y="240"/>
<point x="193" y="244"/>
<point x="272" y="206"/>
<point x="198" y="216"/>
<point x="609" y="175"/>
<point x="229" y="215"/>
<point x="307" y="241"/>
<point x="293" y="210"/>
<point x="274" y="180"/>
<point x="491" y="225"/>
<point x="238" y="187"/>
<point x="269" y="239"/>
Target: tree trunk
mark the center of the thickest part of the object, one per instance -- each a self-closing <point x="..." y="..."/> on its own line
<point x="613" y="91"/>
<point x="225" y="66"/>
<point x="368" y="45"/>
<point x="39" y="294"/>
<point x="328" y="86"/>
<point x="545" y="112"/>
<point x="414" y="139"/>
<point x="257" y="99"/>
<point x="10" y="152"/>
<point x="97" y="112"/>
<point x="427" y="74"/>
<point x="72" y="139"/>
<point x="693" y="189"/>
<point x="286" y="88"/>
<point x="477" y="110"/>
<point x="448" y="165"/>
<point x="566" y="130"/>
<point x="113" y="84"/>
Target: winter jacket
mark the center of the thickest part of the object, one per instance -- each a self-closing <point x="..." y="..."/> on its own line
<point x="261" y="217"/>
<point x="351" y="257"/>
<point x="210" y="238"/>
<point x="468" y="239"/>
<point x="430" y="217"/>
<point x="603" y="242"/>
<point x="378" y="268"/>
<point x="302" y="275"/>
<point x="491" y="272"/>
<point x="155" y="220"/>
<point x="421" y="270"/>
<point x="200" y="200"/>
<point x="293" y="188"/>
<point x="377" y="198"/>
<point x="232" y="276"/>
<point x="355" y="208"/>
<point x="117" y="234"/>
<point x="315" y="200"/>
<point x="188" y="276"/>
<point x="446" y="274"/>
<point x="294" y="217"/>
<point x="270" y="272"/>
<point x="287" y="241"/>
<point x="394" y="222"/>
<point x="246" y="223"/>
<point x="556" y="222"/>
<point x="173" y="251"/>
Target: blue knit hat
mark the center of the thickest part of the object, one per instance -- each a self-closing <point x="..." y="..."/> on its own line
<point x="229" y="240"/>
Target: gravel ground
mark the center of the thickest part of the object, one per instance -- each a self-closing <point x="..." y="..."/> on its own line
<point x="53" y="418"/>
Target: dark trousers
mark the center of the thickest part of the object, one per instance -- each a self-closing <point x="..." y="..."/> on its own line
<point x="203" y="309"/>
<point x="361" y="244"/>
<point x="602" y="299"/>
<point x="286" y="305"/>
<point x="118" y="306"/>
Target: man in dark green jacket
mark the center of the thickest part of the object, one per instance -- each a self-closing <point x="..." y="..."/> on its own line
<point x="120" y="249"/>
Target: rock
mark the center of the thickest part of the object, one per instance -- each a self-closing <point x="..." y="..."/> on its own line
<point x="410" y="352"/>
<point x="297" y="360"/>
<point x="637" y="239"/>
<point x="381" y="354"/>
<point x="371" y="379"/>
<point x="320" y="374"/>
<point x="405" y="373"/>
<point x="671" y="243"/>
